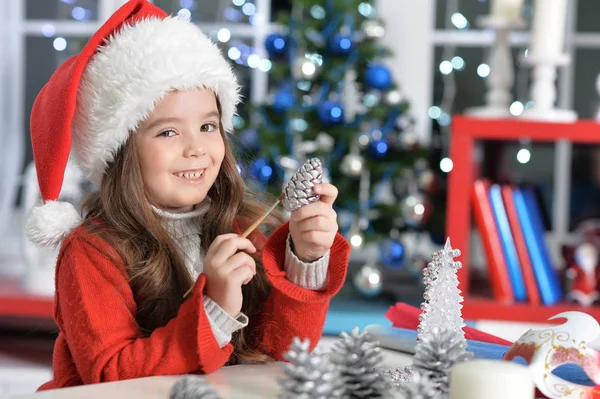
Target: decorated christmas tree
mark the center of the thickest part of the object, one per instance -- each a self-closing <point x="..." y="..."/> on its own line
<point x="332" y="96"/>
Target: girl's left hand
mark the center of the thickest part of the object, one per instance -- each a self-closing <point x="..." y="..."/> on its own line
<point x="313" y="227"/>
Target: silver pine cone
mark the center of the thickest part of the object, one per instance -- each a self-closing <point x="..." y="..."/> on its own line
<point x="308" y="375"/>
<point x="299" y="191"/>
<point x="436" y="353"/>
<point x="359" y="358"/>
<point x="192" y="387"/>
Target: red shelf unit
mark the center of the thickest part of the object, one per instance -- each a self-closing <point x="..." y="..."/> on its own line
<point x="14" y="302"/>
<point x="465" y="132"/>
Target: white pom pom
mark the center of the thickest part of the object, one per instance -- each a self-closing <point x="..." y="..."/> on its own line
<point x="51" y="223"/>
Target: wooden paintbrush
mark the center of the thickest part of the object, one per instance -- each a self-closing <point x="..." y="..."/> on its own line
<point x="249" y="230"/>
<point x="258" y="221"/>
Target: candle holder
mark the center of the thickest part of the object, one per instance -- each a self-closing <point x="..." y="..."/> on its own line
<point x="543" y="89"/>
<point x="501" y="78"/>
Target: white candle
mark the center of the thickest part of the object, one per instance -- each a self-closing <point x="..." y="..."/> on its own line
<point x="508" y="9"/>
<point x="548" y="31"/>
<point x="490" y="379"/>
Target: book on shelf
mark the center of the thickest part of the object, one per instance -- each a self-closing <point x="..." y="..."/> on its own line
<point x="505" y="234"/>
<point x="484" y="218"/>
<point x="533" y="293"/>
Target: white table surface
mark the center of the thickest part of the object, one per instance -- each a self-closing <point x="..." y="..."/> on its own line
<point x="249" y="382"/>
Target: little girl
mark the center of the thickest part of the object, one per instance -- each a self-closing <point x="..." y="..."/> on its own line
<point x="148" y="104"/>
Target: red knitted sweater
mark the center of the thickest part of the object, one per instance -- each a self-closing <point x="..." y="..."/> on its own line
<point x="99" y="339"/>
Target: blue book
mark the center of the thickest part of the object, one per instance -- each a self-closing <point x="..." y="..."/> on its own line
<point x="533" y="231"/>
<point x="508" y="244"/>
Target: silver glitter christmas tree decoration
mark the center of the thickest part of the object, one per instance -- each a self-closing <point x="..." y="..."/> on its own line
<point x="358" y="358"/>
<point x="299" y="191"/>
<point x="309" y="375"/>
<point x="418" y="386"/>
<point x="192" y="387"/>
<point x="395" y="377"/>
<point x="436" y="353"/>
<point x="442" y="299"/>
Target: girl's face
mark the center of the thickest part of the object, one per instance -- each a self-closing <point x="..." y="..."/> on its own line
<point x="181" y="149"/>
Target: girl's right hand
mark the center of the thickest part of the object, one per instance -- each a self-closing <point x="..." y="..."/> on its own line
<point x="227" y="267"/>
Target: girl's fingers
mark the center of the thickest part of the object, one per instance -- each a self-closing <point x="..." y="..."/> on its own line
<point x="316" y="237"/>
<point x="230" y="247"/>
<point x="311" y="210"/>
<point x="317" y="223"/>
<point x="328" y="192"/>
<point x="242" y="275"/>
<point x="238" y="260"/>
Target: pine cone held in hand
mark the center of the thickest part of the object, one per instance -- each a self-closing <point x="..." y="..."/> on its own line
<point x="299" y="191"/>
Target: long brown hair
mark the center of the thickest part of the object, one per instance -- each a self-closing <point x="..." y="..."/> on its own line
<point x="157" y="272"/>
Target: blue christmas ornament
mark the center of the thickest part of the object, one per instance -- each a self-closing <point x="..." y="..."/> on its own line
<point x="378" y="76"/>
<point x="391" y="252"/>
<point x="250" y="140"/>
<point x="340" y="44"/>
<point x="276" y="45"/>
<point x="261" y="170"/>
<point x="284" y="99"/>
<point x="330" y="112"/>
<point x="378" y="148"/>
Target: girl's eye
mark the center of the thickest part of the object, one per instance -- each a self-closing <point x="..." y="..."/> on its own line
<point x="208" y="127"/>
<point x="167" y="133"/>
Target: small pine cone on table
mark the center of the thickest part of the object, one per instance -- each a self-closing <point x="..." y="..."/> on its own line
<point x="359" y="358"/>
<point x="192" y="387"/>
<point x="308" y="375"/>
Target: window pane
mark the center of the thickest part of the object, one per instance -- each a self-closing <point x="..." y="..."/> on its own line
<point x="587" y="16"/>
<point x="586" y="98"/>
<point x="211" y="10"/>
<point x="470" y="10"/>
<point x="240" y="65"/>
<point x="280" y="6"/>
<point x="77" y="10"/>
<point x="42" y="56"/>
<point x="585" y="183"/>
<point x="468" y="68"/>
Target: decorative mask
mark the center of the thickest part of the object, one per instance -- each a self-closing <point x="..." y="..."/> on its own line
<point x="546" y="350"/>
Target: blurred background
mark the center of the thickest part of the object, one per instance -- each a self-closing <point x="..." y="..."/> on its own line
<point x="373" y="89"/>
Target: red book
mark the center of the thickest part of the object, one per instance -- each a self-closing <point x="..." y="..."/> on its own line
<point x="533" y="293"/>
<point x="403" y="315"/>
<point x="484" y="218"/>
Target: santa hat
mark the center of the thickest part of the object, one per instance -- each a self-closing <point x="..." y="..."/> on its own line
<point x="96" y="99"/>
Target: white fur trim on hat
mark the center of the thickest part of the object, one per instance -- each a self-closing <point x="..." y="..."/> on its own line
<point x="132" y="72"/>
<point x="51" y="223"/>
